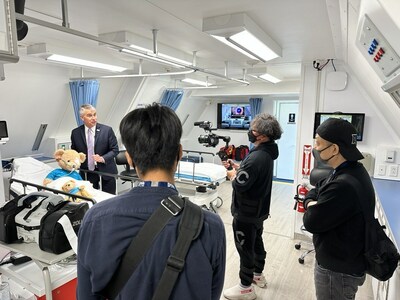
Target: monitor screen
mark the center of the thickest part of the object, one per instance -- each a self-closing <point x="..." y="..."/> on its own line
<point x="357" y="119"/>
<point x="3" y="131"/>
<point x="233" y="116"/>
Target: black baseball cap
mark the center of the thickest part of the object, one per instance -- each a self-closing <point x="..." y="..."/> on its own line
<point x="343" y="134"/>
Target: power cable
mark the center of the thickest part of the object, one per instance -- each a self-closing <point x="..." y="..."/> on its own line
<point x="318" y="66"/>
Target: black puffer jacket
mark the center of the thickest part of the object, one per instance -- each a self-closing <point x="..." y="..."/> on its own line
<point x="252" y="186"/>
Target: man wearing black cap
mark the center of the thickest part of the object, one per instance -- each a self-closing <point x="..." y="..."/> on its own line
<point x="334" y="215"/>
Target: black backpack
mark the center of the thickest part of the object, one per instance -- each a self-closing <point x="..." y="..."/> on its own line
<point x="380" y="253"/>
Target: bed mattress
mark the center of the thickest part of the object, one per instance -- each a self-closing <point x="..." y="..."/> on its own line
<point x="202" y="172"/>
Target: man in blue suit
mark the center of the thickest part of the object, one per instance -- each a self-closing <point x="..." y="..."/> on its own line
<point x="99" y="143"/>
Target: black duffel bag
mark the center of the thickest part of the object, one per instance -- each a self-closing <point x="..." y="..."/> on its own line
<point x="52" y="237"/>
<point x="8" y="229"/>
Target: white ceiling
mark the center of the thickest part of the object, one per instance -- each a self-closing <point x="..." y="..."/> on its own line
<point x="301" y="28"/>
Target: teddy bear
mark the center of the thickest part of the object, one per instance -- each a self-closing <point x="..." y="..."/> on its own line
<point x="69" y="161"/>
<point x="70" y="187"/>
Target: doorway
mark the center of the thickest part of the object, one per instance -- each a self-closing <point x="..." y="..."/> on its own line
<point x="287" y="114"/>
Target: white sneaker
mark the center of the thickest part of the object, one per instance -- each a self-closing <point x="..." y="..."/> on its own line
<point x="260" y="280"/>
<point x="239" y="293"/>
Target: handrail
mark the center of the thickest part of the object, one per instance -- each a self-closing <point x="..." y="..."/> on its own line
<point x="41" y="187"/>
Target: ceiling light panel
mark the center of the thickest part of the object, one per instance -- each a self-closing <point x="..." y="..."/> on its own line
<point x="76" y="58"/>
<point x="270" y="78"/>
<point x="83" y="62"/>
<point x="145" y="45"/>
<point x="196" y="82"/>
<point x="241" y="31"/>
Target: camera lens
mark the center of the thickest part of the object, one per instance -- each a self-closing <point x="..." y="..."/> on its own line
<point x="204" y="139"/>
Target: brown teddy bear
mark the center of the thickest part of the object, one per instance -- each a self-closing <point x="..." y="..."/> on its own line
<point x="69" y="161"/>
<point x="70" y="187"/>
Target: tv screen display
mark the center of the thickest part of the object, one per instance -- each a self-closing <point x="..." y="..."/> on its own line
<point x="357" y="119"/>
<point x="3" y="131"/>
<point x="233" y="116"/>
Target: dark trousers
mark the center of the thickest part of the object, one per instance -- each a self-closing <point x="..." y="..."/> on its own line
<point x="108" y="184"/>
<point x="250" y="246"/>
<point x="331" y="285"/>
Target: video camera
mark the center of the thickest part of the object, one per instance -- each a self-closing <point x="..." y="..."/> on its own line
<point x="210" y="139"/>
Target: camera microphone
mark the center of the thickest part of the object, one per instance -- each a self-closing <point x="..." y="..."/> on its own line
<point x="198" y="123"/>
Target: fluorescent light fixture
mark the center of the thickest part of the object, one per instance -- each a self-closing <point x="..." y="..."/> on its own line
<point x="161" y="55"/>
<point x="42" y="50"/>
<point x="200" y="87"/>
<point x="196" y="82"/>
<point x="181" y="61"/>
<point x="83" y="62"/>
<point x="152" y="57"/>
<point x="270" y="78"/>
<point x="267" y="77"/>
<point x="239" y="31"/>
<point x="226" y="42"/>
<point x="254" y="45"/>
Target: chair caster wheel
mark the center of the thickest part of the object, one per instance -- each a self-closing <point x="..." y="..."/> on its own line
<point x="301" y="260"/>
<point x="297" y="246"/>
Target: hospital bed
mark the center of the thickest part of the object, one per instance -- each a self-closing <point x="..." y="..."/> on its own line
<point x="27" y="176"/>
<point x="198" y="177"/>
<point x="198" y="181"/>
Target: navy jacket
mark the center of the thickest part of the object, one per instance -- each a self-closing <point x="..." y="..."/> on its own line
<point x="105" y="144"/>
<point x="107" y="230"/>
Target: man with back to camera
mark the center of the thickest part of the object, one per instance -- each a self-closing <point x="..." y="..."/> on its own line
<point x="151" y="136"/>
<point x="334" y="215"/>
<point x="99" y="156"/>
<point x="252" y="184"/>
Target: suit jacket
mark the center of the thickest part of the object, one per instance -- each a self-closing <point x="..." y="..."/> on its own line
<point x="105" y="144"/>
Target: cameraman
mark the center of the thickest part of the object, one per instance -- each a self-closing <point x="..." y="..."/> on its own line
<point x="252" y="183"/>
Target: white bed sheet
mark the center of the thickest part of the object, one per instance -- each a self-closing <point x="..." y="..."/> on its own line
<point x="34" y="171"/>
<point x="203" y="172"/>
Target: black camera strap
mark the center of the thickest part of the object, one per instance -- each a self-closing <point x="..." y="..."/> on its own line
<point x="189" y="228"/>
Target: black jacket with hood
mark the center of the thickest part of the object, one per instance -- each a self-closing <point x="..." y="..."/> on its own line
<point x="252" y="186"/>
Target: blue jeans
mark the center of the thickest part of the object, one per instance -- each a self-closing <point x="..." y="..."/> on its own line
<point x="331" y="285"/>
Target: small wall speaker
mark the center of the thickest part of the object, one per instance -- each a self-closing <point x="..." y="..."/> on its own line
<point x="336" y="81"/>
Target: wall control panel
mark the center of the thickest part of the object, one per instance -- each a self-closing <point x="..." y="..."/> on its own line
<point x="377" y="50"/>
<point x="387" y="164"/>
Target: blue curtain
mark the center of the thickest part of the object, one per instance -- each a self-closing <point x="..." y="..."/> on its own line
<point x="172" y="98"/>
<point x="255" y="106"/>
<point x="255" y="109"/>
<point x="83" y="92"/>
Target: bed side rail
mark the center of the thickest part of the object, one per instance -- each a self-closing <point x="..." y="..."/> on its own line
<point x="45" y="188"/>
<point x="198" y="154"/>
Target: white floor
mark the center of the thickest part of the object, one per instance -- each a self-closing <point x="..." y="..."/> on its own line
<point x="287" y="278"/>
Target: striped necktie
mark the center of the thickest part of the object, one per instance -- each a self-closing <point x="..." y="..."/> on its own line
<point x="90" y="146"/>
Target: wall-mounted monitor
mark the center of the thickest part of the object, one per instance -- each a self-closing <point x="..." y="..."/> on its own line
<point x="357" y="119"/>
<point x="233" y="116"/>
<point x="3" y="132"/>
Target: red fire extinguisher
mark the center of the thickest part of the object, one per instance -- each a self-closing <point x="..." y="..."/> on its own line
<point x="300" y="195"/>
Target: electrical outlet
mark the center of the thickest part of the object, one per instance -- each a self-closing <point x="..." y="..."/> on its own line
<point x="382" y="170"/>
<point x="393" y="170"/>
